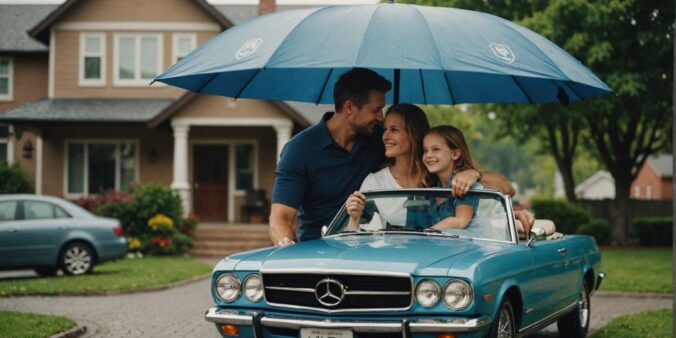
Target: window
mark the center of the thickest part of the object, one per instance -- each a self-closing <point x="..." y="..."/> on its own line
<point x="138" y="58"/>
<point x="42" y="210"/>
<point x="183" y="45"/>
<point x="4" y="140"/>
<point x="95" y="167"/>
<point x="8" y="211"/>
<point x="649" y="192"/>
<point x="6" y="79"/>
<point x="92" y="59"/>
<point x="244" y="166"/>
<point x="637" y="191"/>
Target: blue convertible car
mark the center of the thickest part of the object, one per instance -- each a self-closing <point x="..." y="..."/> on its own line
<point x="391" y="275"/>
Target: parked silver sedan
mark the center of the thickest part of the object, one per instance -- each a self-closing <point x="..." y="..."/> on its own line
<point x="48" y="233"/>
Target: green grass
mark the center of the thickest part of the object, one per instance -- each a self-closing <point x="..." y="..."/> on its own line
<point x="651" y="324"/>
<point x="30" y="325"/>
<point x="122" y="275"/>
<point x="637" y="270"/>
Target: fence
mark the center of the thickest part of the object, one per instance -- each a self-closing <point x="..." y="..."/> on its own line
<point x="636" y="208"/>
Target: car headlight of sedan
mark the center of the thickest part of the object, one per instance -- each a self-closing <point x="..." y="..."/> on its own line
<point x="227" y="287"/>
<point x="457" y="294"/>
<point x="428" y="293"/>
<point x="253" y="288"/>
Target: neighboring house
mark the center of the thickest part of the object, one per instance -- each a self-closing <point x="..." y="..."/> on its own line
<point x="601" y="185"/>
<point x="655" y="179"/>
<point x="80" y="116"/>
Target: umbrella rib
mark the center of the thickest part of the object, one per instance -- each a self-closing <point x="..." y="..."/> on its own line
<point x="422" y="84"/>
<point x="572" y="90"/>
<point x="522" y="90"/>
<point x="241" y="90"/>
<point x="448" y="86"/>
<point x="199" y="90"/>
<point x="321" y="92"/>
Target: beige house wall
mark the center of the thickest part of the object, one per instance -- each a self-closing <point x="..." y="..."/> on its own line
<point x="29" y="79"/>
<point x="218" y="106"/>
<point x="137" y="10"/>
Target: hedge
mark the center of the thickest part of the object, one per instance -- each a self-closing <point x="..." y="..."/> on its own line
<point x="653" y="231"/>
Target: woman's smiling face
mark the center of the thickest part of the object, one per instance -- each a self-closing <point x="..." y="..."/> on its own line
<point x="438" y="157"/>
<point x="395" y="136"/>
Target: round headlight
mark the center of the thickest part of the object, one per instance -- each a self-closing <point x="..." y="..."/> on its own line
<point x="253" y="288"/>
<point x="457" y="294"/>
<point x="227" y="287"/>
<point x="428" y="293"/>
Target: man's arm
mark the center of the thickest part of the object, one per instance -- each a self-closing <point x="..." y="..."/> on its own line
<point x="282" y="221"/>
<point x="497" y="182"/>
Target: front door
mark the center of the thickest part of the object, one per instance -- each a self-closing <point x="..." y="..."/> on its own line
<point x="210" y="187"/>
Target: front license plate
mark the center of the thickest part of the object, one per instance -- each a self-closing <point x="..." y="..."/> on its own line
<point x="325" y="333"/>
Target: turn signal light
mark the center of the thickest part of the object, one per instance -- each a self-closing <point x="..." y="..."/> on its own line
<point x="231" y="330"/>
<point x="445" y="335"/>
<point x="118" y="231"/>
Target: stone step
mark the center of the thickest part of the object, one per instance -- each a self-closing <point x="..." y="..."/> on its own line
<point x="221" y="240"/>
<point x="207" y="253"/>
<point x="230" y="246"/>
<point x="242" y="236"/>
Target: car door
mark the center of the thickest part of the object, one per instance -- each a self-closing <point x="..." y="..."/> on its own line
<point x="10" y="249"/>
<point x="42" y="231"/>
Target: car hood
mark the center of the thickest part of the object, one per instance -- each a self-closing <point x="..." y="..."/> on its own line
<point x="411" y="254"/>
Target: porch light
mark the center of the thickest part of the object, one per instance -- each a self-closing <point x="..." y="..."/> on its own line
<point x="27" y="149"/>
<point x="152" y="156"/>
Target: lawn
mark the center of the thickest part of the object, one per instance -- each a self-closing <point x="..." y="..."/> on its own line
<point x="122" y="275"/>
<point x="30" y="325"/>
<point x="637" y="269"/>
<point x="651" y="324"/>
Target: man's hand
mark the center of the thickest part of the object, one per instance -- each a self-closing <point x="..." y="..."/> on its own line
<point x="282" y="218"/>
<point x="527" y="220"/>
<point x="462" y="181"/>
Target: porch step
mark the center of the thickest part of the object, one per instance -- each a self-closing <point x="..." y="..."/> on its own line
<point x="221" y="240"/>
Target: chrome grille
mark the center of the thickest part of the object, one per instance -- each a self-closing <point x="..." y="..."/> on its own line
<point x="360" y="292"/>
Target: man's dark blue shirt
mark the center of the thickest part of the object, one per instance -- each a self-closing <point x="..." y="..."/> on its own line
<point x="315" y="175"/>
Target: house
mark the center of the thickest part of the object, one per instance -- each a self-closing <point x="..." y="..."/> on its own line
<point x="655" y="179"/>
<point x="599" y="186"/>
<point x="78" y="114"/>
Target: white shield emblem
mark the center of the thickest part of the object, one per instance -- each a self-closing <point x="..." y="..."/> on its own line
<point x="502" y="52"/>
<point x="248" y="48"/>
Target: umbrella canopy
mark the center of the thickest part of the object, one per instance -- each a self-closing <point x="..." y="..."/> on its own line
<point x="433" y="55"/>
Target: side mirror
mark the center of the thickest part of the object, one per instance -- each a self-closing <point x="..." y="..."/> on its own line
<point x="325" y="229"/>
<point x="538" y="233"/>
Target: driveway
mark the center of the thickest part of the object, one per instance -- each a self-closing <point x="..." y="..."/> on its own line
<point x="178" y="312"/>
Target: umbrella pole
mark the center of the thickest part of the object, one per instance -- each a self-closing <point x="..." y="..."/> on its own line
<point x="397" y="74"/>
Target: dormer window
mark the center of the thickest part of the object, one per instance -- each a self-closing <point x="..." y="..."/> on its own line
<point x="6" y="79"/>
<point x="92" y="59"/>
<point x="138" y="59"/>
<point x="183" y="43"/>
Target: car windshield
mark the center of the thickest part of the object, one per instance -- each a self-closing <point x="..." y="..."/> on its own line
<point x="418" y="211"/>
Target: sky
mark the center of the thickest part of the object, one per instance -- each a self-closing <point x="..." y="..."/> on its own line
<point x="224" y="2"/>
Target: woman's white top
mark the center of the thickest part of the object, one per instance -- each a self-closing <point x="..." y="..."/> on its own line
<point x="392" y="209"/>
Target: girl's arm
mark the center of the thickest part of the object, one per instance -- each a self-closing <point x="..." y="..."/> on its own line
<point x="463" y="215"/>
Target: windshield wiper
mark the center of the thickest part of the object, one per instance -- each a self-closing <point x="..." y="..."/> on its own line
<point x="391" y="227"/>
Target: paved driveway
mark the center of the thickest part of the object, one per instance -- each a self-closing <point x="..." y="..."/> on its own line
<point x="178" y="312"/>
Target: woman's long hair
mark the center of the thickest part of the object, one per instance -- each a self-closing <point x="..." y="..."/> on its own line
<point x="415" y="126"/>
<point x="455" y="140"/>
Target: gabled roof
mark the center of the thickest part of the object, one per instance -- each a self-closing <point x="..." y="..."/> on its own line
<point x="663" y="164"/>
<point x="41" y="30"/>
<point x="15" y="20"/>
<point x="598" y="176"/>
<point x="240" y="13"/>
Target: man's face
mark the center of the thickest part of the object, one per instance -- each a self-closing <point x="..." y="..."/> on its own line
<point x="363" y="120"/>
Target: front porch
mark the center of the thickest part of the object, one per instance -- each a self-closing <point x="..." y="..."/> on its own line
<point x="218" y="240"/>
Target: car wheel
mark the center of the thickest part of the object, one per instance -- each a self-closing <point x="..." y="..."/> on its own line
<point x="45" y="272"/>
<point x="503" y="325"/>
<point x="576" y="323"/>
<point x="77" y="259"/>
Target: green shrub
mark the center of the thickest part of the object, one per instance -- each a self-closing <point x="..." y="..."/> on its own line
<point x="120" y="210"/>
<point x="598" y="228"/>
<point x="653" y="231"/>
<point x="567" y="216"/>
<point x="153" y="199"/>
<point x="13" y="179"/>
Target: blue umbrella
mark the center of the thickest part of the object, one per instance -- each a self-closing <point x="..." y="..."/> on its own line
<point x="433" y="55"/>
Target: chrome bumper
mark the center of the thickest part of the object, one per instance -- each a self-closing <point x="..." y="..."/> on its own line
<point x="600" y="278"/>
<point x="453" y="324"/>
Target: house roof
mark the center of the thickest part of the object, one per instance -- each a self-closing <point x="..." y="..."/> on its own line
<point x="15" y="21"/>
<point x="240" y="13"/>
<point x="664" y="164"/>
<point x="88" y="111"/>
<point x="598" y="176"/>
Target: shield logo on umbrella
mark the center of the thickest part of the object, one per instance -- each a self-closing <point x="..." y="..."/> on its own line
<point x="502" y="52"/>
<point x="248" y="48"/>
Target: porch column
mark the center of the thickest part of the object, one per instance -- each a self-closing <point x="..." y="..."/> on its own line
<point x="180" y="182"/>
<point x="283" y="136"/>
<point x="11" y="142"/>
<point x="38" y="164"/>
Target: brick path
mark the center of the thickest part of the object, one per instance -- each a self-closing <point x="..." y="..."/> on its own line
<point x="178" y="312"/>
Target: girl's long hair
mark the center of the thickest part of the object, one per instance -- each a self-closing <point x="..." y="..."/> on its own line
<point x="455" y="140"/>
<point x="415" y="126"/>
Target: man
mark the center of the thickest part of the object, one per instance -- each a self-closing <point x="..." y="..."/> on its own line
<point x="321" y="166"/>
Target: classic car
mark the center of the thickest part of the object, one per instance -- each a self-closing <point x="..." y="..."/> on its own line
<point x="393" y="276"/>
<point x="47" y="233"/>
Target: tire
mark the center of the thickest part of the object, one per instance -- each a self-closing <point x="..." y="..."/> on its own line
<point x="45" y="271"/>
<point x="503" y="325"/>
<point x="576" y="323"/>
<point x="77" y="259"/>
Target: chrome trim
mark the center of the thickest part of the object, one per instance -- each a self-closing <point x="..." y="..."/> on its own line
<point x="340" y="271"/>
<point x="282" y="288"/>
<point x="243" y="290"/>
<point x="471" y="294"/>
<point x="454" y="324"/>
<point x="601" y="275"/>
<point x="547" y="320"/>
<point x="227" y="317"/>
<point x="384" y="293"/>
